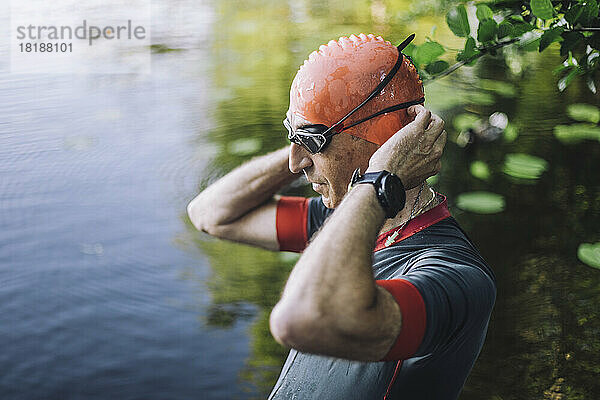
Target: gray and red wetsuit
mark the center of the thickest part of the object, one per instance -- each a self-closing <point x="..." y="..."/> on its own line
<point x="445" y="291"/>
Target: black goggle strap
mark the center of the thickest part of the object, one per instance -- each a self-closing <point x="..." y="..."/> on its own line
<point x="385" y="111"/>
<point x="379" y="87"/>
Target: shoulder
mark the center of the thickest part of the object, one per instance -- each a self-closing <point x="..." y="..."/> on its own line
<point x="443" y="244"/>
<point x="443" y="265"/>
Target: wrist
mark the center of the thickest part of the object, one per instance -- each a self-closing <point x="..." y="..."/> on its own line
<point x="389" y="190"/>
<point x="368" y="195"/>
<point x="377" y="168"/>
<point x="389" y="168"/>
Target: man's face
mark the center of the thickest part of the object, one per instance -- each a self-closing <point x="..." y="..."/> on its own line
<point x="330" y="171"/>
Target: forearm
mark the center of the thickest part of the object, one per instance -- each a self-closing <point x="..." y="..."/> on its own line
<point x="335" y="274"/>
<point x="241" y="190"/>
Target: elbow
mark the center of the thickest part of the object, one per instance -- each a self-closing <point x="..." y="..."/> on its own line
<point x="279" y="326"/>
<point x="196" y="214"/>
<point x="290" y="329"/>
<point x="193" y="215"/>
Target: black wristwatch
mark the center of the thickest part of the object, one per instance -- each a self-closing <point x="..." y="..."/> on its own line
<point x="389" y="188"/>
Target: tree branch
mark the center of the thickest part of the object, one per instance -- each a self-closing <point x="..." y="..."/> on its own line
<point x="482" y="51"/>
<point x="584" y="29"/>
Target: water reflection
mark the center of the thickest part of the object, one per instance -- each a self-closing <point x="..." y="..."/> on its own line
<point x="246" y="283"/>
<point x="544" y="334"/>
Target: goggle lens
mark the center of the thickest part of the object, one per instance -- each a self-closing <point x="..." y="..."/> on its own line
<point x="310" y="137"/>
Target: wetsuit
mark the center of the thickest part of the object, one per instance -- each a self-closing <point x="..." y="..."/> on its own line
<point x="445" y="291"/>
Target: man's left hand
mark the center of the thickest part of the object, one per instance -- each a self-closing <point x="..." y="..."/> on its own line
<point x="414" y="152"/>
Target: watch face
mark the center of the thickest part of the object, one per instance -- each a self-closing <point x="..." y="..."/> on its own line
<point x="392" y="192"/>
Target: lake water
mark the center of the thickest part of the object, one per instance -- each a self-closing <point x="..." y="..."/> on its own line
<point x="106" y="291"/>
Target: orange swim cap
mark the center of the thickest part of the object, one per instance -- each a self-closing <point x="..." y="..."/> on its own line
<point x="341" y="74"/>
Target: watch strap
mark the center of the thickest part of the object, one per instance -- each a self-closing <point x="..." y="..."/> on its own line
<point x="376" y="178"/>
<point x="370" y="177"/>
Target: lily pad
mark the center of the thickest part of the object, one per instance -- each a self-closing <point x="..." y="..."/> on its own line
<point x="244" y="146"/>
<point x="575" y="133"/>
<point x="464" y="121"/>
<point x="510" y="133"/>
<point x="480" y="98"/>
<point x="504" y="89"/>
<point x="481" y="202"/>
<point x="480" y="170"/>
<point x="524" y="166"/>
<point x="589" y="253"/>
<point x="584" y="112"/>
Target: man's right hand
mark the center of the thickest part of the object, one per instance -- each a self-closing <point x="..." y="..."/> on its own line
<point x="414" y="152"/>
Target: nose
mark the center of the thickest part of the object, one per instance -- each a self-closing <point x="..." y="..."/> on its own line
<point x="299" y="158"/>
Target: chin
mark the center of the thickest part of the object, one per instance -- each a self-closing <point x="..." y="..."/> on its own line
<point x="329" y="203"/>
<point x="330" y="200"/>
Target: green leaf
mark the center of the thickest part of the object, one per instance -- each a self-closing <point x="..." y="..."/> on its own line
<point x="524" y="166"/>
<point x="590" y="12"/>
<point x="516" y="18"/>
<point x="520" y="28"/>
<point x="591" y="84"/>
<point x="542" y="9"/>
<point x="564" y="82"/>
<point x="458" y="21"/>
<point x="530" y="41"/>
<point x="584" y="112"/>
<point x="487" y="30"/>
<point x="589" y="254"/>
<point x="427" y="52"/>
<point x="575" y="133"/>
<point x="570" y="42"/>
<point x="481" y="202"/>
<point x="550" y="36"/>
<point x="469" y="51"/>
<point x="484" y="12"/>
<point x="505" y="29"/>
<point x="410" y="50"/>
<point x="480" y="170"/>
<point x="436" y="67"/>
<point x="594" y="40"/>
<point x="572" y="15"/>
<point x="561" y="68"/>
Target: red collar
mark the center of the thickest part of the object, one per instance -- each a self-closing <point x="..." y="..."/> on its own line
<point x="417" y="224"/>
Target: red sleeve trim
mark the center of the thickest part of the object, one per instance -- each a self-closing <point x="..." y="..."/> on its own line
<point x="414" y="318"/>
<point x="290" y="220"/>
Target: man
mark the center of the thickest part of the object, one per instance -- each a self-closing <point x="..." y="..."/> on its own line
<point x="390" y="299"/>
